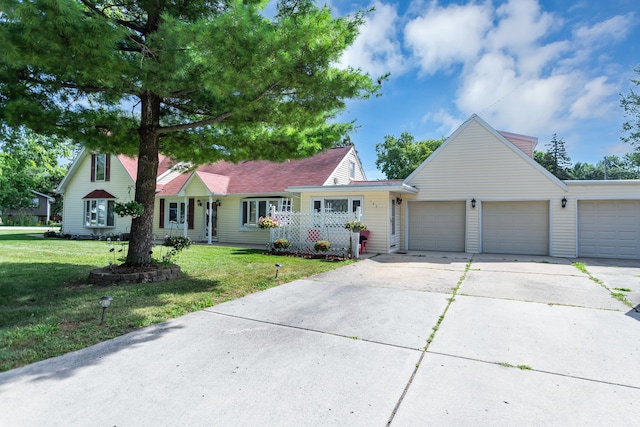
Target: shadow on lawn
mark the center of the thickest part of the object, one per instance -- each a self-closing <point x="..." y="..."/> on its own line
<point x="56" y="311"/>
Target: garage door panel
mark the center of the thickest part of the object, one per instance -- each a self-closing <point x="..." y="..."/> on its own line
<point x="515" y="227"/>
<point x="437" y="226"/>
<point x="609" y="229"/>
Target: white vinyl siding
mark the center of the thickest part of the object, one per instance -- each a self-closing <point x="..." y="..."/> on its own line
<point x="609" y="229"/>
<point x="74" y="213"/>
<point x="515" y="227"/>
<point x="348" y="170"/>
<point x="437" y="226"/>
<point x="475" y="163"/>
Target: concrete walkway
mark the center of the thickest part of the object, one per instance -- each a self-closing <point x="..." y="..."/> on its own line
<point x="509" y="341"/>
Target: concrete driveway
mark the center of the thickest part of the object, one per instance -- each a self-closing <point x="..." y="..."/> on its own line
<point x="509" y="341"/>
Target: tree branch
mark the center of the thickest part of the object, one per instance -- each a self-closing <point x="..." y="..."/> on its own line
<point x="193" y="125"/>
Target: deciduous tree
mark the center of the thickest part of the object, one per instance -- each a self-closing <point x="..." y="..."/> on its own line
<point x="398" y="157"/>
<point x="198" y="81"/>
<point x="631" y="106"/>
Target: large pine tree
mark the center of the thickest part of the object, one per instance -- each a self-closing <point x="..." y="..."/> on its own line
<point x="198" y="81"/>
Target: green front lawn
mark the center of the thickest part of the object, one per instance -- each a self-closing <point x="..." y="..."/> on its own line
<point x="47" y="308"/>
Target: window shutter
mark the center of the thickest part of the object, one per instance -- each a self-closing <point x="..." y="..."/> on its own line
<point x="161" y="216"/>
<point x="93" y="168"/>
<point x="190" y="214"/>
<point x="107" y="167"/>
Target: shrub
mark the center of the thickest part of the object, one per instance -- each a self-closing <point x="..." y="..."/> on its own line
<point x="281" y="243"/>
<point x="322" y="245"/>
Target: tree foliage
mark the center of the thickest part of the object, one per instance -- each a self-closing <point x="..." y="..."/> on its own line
<point x="29" y="162"/>
<point x="555" y="159"/>
<point x="398" y="157"/>
<point x="199" y="81"/>
<point x="631" y="106"/>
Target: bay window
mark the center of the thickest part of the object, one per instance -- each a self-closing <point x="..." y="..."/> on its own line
<point x="99" y="213"/>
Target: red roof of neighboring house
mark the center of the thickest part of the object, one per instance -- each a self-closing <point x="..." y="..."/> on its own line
<point x="99" y="194"/>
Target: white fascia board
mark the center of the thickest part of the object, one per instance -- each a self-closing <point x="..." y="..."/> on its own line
<point x="396" y="188"/>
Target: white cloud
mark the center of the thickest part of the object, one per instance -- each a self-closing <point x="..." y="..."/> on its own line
<point x="517" y="71"/>
<point x="613" y="29"/>
<point x="596" y="101"/>
<point x="377" y="50"/>
<point x="443" y="36"/>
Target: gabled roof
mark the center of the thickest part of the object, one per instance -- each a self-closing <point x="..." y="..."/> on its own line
<point x="261" y="176"/>
<point x="223" y="178"/>
<point x="499" y="136"/>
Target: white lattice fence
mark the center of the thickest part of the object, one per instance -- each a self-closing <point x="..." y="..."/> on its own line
<point x="303" y="230"/>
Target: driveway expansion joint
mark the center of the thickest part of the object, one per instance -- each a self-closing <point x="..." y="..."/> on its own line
<point x="301" y="328"/>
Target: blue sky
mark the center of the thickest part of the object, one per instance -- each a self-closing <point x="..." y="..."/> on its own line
<point x="533" y="67"/>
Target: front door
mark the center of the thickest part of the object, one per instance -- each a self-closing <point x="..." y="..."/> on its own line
<point x="210" y="214"/>
<point x="394" y="225"/>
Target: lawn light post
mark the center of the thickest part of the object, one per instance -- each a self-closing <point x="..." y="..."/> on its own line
<point x="278" y="268"/>
<point x="104" y="302"/>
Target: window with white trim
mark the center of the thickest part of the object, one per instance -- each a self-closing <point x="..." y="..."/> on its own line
<point x="101" y="167"/>
<point x="177" y="212"/>
<point x="99" y="213"/>
<point x="253" y="209"/>
<point x="337" y="204"/>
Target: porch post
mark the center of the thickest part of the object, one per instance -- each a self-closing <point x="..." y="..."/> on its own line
<point x="185" y="225"/>
<point x="210" y="215"/>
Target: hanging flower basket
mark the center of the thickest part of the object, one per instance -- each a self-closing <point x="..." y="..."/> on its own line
<point x="281" y="243"/>
<point x="355" y="226"/>
<point x="267" y="222"/>
<point x="322" y="245"/>
<point x="133" y="209"/>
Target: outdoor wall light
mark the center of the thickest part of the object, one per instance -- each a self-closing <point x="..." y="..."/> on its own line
<point x="564" y="202"/>
<point x="398" y="201"/>
<point x="278" y="268"/>
<point x="199" y="202"/>
<point x="218" y="202"/>
<point x="104" y="303"/>
<point x="473" y="203"/>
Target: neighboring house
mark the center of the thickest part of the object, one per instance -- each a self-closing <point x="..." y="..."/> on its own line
<point x="39" y="212"/>
<point x="479" y="192"/>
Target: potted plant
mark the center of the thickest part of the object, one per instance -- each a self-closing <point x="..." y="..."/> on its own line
<point x="267" y="222"/>
<point x="132" y="208"/>
<point x="281" y="243"/>
<point x="355" y="225"/>
<point x="322" y="245"/>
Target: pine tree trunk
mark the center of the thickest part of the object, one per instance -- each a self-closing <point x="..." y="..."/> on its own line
<point x="142" y="227"/>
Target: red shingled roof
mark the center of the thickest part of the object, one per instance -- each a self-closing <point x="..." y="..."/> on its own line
<point x="261" y="176"/>
<point x="131" y="165"/>
<point x="99" y="194"/>
<point x="251" y="177"/>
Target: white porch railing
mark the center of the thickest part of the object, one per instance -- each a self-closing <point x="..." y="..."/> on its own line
<point x="303" y="230"/>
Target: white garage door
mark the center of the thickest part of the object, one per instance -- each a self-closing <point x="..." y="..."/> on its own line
<point x="609" y="229"/>
<point x="515" y="227"/>
<point x="437" y="226"/>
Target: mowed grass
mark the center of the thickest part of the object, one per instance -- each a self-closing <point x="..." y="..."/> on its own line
<point x="47" y="308"/>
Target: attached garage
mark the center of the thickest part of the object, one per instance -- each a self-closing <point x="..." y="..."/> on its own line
<point x="515" y="227"/>
<point x="609" y="229"/>
<point x="437" y="226"/>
